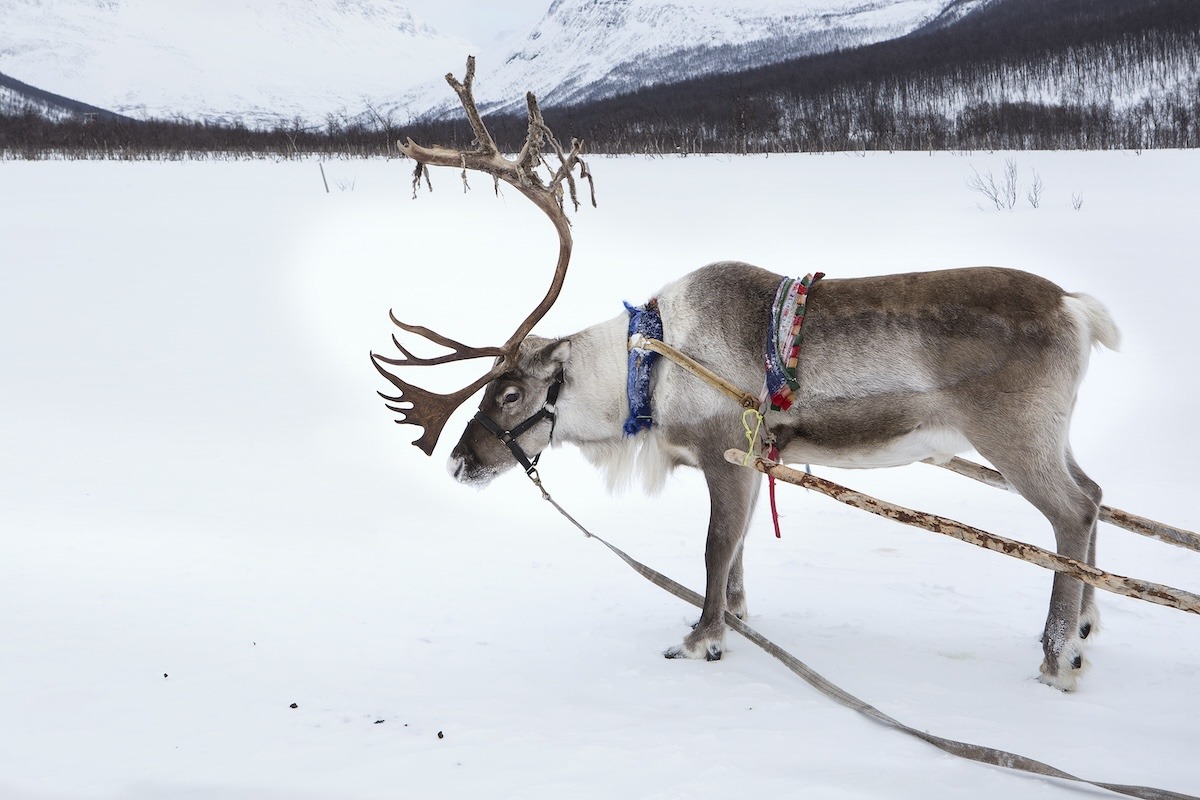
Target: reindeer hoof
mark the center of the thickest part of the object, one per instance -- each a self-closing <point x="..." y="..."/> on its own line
<point x="709" y="652"/>
<point x="1089" y="621"/>
<point x="1054" y="682"/>
<point x="1064" y="671"/>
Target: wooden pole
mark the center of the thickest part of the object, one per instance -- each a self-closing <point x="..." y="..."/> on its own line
<point x="1113" y="516"/>
<point x="1118" y="584"/>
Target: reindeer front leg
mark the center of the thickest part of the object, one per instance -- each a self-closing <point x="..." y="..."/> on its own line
<point x="732" y="491"/>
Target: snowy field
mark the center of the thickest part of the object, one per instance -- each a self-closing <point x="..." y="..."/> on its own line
<point x="207" y="515"/>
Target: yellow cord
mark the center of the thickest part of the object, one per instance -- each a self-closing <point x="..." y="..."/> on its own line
<point x="751" y="435"/>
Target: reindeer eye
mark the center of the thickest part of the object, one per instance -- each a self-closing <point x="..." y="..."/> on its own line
<point x="511" y="395"/>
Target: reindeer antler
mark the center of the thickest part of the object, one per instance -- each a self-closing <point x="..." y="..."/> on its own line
<point x="429" y="410"/>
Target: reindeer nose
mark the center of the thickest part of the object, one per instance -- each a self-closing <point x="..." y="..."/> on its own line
<point x="455" y="466"/>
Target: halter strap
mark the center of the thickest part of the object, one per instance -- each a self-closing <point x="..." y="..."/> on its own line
<point x="509" y="437"/>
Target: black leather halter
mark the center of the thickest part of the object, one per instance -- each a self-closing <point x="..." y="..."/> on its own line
<point x="547" y="411"/>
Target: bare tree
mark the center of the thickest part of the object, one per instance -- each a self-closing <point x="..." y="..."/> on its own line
<point x="1010" y="183"/>
<point x="986" y="186"/>
<point x="1034" y="195"/>
<point x="1003" y="192"/>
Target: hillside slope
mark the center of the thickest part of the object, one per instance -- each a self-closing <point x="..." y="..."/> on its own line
<point x="586" y="50"/>
<point x="270" y="62"/>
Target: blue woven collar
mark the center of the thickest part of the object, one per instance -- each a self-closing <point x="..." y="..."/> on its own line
<point x="646" y="321"/>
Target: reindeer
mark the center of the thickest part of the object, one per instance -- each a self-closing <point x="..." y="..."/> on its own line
<point x="894" y="369"/>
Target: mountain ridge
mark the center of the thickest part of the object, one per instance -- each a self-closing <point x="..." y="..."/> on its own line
<point x="285" y="62"/>
<point x="17" y="97"/>
<point x="587" y="50"/>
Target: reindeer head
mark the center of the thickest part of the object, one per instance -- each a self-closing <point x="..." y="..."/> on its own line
<point x="516" y="417"/>
<point x="513" y="379"/>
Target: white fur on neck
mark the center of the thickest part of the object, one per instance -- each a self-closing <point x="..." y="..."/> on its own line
<point x="592" y="412"/>
<point x="642" y="459"/>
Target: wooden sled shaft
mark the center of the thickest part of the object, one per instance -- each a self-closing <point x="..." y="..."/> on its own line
<point x="1109" y="582"/>
<point x="1113" y="516"/>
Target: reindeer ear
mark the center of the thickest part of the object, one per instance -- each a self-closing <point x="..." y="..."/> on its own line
<point x="552" y="356"/>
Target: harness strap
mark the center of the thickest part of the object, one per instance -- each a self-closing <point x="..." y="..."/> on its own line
<point x="509" y="437"/>
<point x="743" y="398"/>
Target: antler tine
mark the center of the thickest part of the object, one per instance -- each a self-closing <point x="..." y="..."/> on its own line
<point x="466" y="96"/>
<point x="461" y="352"/>
<point x="411" y="360"/>
<point x="531" y="155"/>
<point x="430" y="410"/>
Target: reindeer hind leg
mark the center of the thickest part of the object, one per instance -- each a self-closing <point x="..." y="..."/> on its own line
<point x="1089" y="614"/>
<point x="1040" y="472"/>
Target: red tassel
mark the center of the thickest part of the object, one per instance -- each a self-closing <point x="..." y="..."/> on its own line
<point x="773" y="454"/>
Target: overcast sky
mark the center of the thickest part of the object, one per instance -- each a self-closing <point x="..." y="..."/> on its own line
<point x="479" y="22"/>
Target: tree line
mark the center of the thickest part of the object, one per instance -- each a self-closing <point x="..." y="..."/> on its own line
<point x="1021" y="74"/>
<point x="31" y="136"/>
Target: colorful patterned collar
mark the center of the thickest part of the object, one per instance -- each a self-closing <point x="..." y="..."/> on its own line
<point x="784" y="337"/>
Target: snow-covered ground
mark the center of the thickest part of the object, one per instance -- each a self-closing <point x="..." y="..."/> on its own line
<point x="207" y="516"/>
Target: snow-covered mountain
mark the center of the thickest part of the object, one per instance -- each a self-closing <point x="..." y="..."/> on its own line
<point x="276" y="61"/>
<point x="269" y="61"/>
<point x="589" y="49"/>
